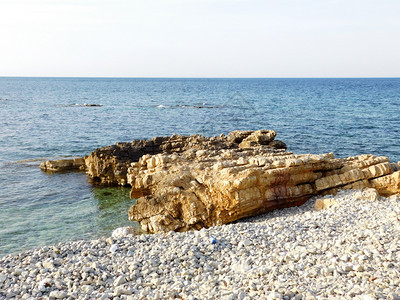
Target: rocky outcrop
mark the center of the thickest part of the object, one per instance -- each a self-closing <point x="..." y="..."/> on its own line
<point x="203" y="188"/>
<point x="109" y="165"/>
<point x="189" y="182"/>
<point x="64" y="165"/>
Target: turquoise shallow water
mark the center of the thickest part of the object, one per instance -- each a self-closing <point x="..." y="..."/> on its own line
<point x="43" y="118"/>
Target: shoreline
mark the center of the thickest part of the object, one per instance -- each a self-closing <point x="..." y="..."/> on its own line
<point x="351" y="250"/>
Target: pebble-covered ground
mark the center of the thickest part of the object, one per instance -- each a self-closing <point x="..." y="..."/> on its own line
<point x="351" y="250"/>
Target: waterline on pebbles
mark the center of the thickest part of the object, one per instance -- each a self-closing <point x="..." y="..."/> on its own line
<point x="351" y="250"/>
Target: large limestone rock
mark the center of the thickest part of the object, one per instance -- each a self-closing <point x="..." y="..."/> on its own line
<point x="189" y="182"/>
<point x="203" y="188"/>
<point x="109" y="165"/>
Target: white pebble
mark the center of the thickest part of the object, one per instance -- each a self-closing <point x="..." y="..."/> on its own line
<point x="114" y="248"/>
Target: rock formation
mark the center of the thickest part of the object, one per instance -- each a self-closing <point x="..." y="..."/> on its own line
<point x="203" y="188"/>
<point x="109" y="165"/>
<point x="189" y="182"/>
<point x="63" y="165"/>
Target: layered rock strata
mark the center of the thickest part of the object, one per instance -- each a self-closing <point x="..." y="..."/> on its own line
<point x="203" y="188"/>
<point x="109" y="165"/>
<point x="189" y="182"/>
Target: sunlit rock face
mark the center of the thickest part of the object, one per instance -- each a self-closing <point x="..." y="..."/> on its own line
<point x="189" y="182"/>
<point x="109" y="165"/>
<point x="203" y="188"/>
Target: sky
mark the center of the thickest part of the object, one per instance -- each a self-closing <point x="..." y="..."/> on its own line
<point x="200" y="38"/>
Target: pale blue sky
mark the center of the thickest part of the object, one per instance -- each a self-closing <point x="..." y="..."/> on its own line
<point x="200" y="38"/>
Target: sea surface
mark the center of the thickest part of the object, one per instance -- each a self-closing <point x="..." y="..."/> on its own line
<point x="49" y="118"/>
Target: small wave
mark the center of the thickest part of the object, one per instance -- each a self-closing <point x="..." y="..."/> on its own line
<point x="80" y="105"/>
<point x="201" y="105"/>
<point x="31" y="161"/>
<point x="28" y="160"/>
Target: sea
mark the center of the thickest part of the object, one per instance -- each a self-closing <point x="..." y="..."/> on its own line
<point x="54" y="118"/>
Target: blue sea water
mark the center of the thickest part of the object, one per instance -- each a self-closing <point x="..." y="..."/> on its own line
<point x="44" y="118"/>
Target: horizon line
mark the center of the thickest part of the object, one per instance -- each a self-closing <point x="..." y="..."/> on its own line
<point x="162" y="77"/>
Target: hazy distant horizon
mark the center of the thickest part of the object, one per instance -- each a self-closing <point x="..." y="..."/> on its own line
<point x="120" y="77"/>
<point x="200" y="39"/>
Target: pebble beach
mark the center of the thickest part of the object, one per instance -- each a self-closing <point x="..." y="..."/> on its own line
<point x="348" y="251"/>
